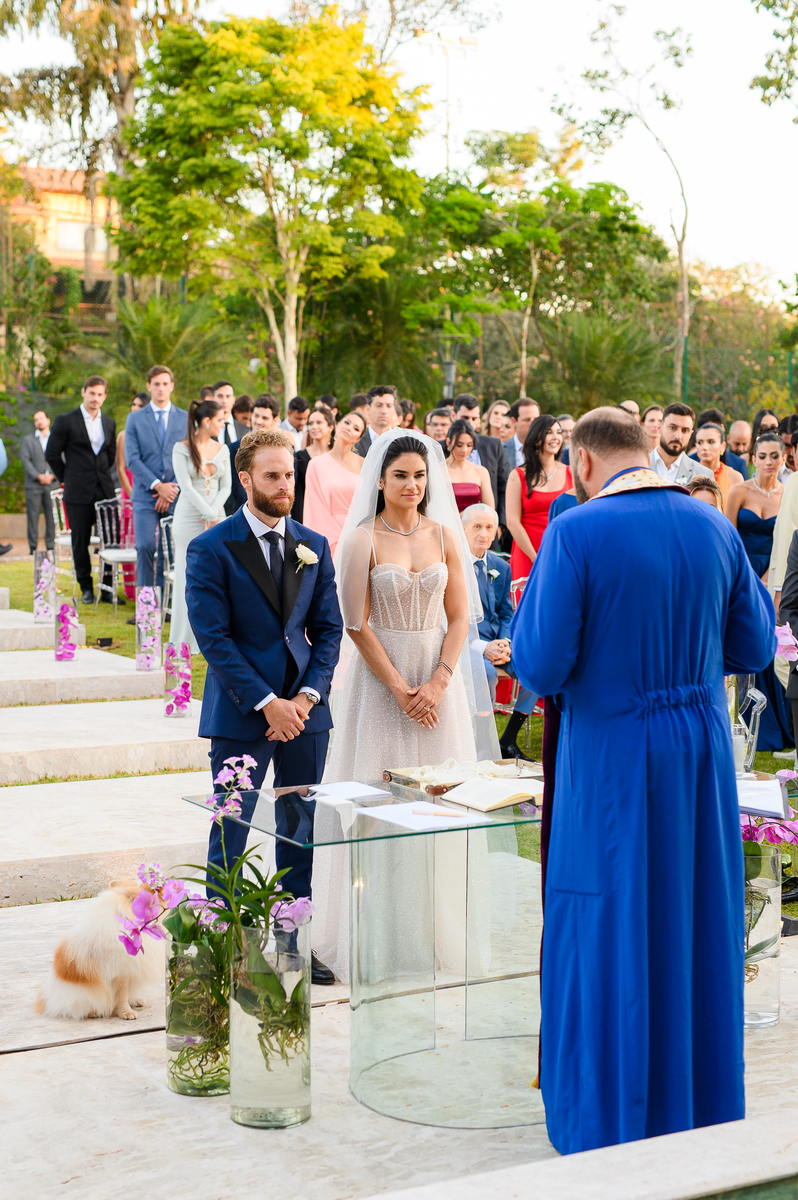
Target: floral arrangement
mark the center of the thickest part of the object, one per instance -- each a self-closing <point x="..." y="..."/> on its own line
<point x="756" y="833"/>
<point x="148" y="629"/>
<point x="66" y="620"/>
<point x="43" y="588"/>
<point x="787" y="645"/>
<point x="177" y="679"/>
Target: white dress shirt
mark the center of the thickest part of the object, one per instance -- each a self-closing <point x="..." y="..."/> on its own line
<point x="161" y="420"/>
<point x="94" y="428"/>
<point x="658" y="465"/>
<point x="260" y="529"/>
<point x="45" y="437"/>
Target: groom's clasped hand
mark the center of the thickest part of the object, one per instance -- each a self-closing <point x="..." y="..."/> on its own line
<point x="285" y="719"/>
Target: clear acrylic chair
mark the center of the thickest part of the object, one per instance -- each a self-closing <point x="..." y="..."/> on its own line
<point x="64" y="564"/>
<point x="164" y="539"/>
<point x="116" y="547"/>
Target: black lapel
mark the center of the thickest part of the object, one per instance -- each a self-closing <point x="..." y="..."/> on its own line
<point x="251" y="557"/>
<point x="81" y="429"/>
<point x="292" y="578"/>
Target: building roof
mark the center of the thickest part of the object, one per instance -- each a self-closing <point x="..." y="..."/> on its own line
<point x="52" y="179"/>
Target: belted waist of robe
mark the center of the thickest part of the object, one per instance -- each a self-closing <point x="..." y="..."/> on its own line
<point x="686" y="695"/>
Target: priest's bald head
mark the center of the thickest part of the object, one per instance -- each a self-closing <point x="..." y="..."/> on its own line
<point x="604" y="442"/>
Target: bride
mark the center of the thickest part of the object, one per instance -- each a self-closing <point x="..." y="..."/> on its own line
<point x="405" y="693"/>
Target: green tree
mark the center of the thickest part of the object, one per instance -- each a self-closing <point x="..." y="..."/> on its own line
<point x="268" y="155"/>
<point x="781" y="66"/>
<point x="189" y="338"/>
<point x="593" y="359"/>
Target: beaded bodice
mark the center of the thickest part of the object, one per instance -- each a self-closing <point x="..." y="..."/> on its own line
<point x="405" y="600"/>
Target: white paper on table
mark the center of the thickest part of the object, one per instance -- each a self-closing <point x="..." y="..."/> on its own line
<point x="762" y="798"/>
<point x="348" y="790"/>
<point x="421" y="816"/>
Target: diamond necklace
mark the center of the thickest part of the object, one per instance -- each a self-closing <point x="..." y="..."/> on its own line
<point x="772" y="491"/>
<point x="401" y="532"/>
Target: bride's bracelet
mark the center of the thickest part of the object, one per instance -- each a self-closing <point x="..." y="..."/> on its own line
<point x="446" y="666"/>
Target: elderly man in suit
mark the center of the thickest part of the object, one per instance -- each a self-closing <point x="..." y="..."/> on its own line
<point x="81" y="452"/>
<point x="40" y="482"/>
<point x="263" y="604"/>
<point x="488" y="451"/>
<point x="150" y="437"/>
<point x="480" y="523"/>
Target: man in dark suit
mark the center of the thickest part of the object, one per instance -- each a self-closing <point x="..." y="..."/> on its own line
<point x="39" y="482"/>
<point x="81" y="452"/>
<point x="150" y="437"/>
<point x="262" y="602"/>
<point x="224" y="394"/>
<point x="384" y="413"/>
<point x="488" y="451"/>
<point x="480" y="523"/>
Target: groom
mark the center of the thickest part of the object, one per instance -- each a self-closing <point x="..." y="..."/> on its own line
<point x="262" y="603"/>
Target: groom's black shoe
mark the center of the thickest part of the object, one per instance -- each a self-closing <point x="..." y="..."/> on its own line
<point x="513" y="750"/>
<point x="319" y="973"/>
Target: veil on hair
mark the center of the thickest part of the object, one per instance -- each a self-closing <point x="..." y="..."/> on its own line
<point x="353" y="562"/>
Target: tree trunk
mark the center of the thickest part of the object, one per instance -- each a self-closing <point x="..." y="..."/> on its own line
<point x="683" y="312"/>
<point x="533" y="262"/>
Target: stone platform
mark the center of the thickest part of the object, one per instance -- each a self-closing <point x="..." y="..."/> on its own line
<point x="19" y="631"/>
<point x="91" y="741"/>
<point x="34" y="677"/>
<point x="48" y="827"/>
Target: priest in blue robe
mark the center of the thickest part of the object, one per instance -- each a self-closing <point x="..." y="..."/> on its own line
<point x="640" y="601"/>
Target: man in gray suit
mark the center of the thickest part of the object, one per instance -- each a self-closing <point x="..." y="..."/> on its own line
<point x="40" y="482"/>
<point x="150" y="437"/>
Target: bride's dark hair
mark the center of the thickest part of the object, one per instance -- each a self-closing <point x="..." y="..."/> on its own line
<point x="403" y="445"/>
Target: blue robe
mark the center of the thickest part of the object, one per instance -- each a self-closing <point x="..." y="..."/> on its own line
<point x="637" y="606"/>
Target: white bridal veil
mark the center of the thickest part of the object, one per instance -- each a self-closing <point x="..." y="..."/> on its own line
<point x="352" y="564"/>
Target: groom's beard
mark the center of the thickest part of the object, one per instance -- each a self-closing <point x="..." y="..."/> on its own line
<point x="579" y="487"/>
<point x="272" y="506"/>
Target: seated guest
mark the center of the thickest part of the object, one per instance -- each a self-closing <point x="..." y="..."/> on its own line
<point x="480" y="523"/>
<point x="713" y="416"/>
<point x="471" y="483"/>
<point x="487" y="452"/>
<point x="710" y="442"/>
<point x="319" y="435"/>
<point x="296" y="418"/>
<point x="532" y="489"/>
<point x="703" y="487"/>
<point x="331" y="480"/>
<point x="436" y="424"/>
<point x="242" y="410"/>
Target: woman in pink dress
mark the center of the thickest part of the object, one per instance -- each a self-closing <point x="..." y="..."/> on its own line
<point x="331" y="480"/>
<point x="531" y="489"/>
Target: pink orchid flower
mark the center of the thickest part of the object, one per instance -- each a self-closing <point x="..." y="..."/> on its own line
<point x="146" y="907"/>
<point x="785" y="775"/>
<point x="173" y="892"/>
<point x="787" y="645"/>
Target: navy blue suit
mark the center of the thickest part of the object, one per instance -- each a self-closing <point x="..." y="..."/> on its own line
<point x="255" y="642"/>
<point x="148" y="455"/>
<point x="497" y="610"/>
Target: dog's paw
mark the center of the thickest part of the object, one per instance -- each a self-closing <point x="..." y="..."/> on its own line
<point x="136" y="1003"/>
<point x="126" y="1015"/>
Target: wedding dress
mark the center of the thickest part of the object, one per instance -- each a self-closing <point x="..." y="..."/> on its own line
<point x="202" y="497"/>
<point x="419" y="876"/>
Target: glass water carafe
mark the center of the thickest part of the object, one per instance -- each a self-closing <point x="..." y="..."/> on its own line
<point x="746" y="705"/>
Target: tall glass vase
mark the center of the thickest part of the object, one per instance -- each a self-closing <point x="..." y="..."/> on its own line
<point x="270" y="1029"/>
<point x="762" y="934"/>
<point x="66" y="622"/>
<point x="197" y="1017"/>
<point x="177" y="679"/>
<point x="43" y="587"/>
<point x="148" y="628"/>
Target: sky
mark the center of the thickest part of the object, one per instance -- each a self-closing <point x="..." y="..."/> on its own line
<point x="738" y="157"/>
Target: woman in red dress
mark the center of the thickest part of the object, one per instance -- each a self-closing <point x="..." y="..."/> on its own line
<point x="531" y="489"/>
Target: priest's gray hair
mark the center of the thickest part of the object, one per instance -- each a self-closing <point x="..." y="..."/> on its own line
<point x="608" y="431"/>
<point x="473" y="509"/>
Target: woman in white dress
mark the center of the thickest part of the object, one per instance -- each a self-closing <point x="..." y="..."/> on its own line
<point x="202" y="470"/>
<point x="405" y="693"/>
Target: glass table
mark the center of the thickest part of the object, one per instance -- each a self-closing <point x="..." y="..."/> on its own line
<point x="444" y="920"/>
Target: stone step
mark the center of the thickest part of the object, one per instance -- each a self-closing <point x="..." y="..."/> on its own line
<point x="19" y="631"/>
<point x="72" y="839"/>
<point x="5" y="598"/>
<point x="93" y="740"/>
<point x="34" y="677"/>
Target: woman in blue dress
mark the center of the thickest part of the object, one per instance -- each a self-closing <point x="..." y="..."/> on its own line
<point x="752" y="507"/>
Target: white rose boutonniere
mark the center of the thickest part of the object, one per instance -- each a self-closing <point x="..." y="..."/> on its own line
<point x="306" y="556"/>
<point x="494" y="574"/>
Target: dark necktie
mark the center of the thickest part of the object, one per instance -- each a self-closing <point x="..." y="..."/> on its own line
<point x="275" y="559"/>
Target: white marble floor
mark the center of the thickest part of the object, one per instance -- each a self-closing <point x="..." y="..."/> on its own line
<point x="19" y="631"/>
<point x="47" y="827"/>
<point x="94" y="740"/>
<point x="34" y="677"/>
